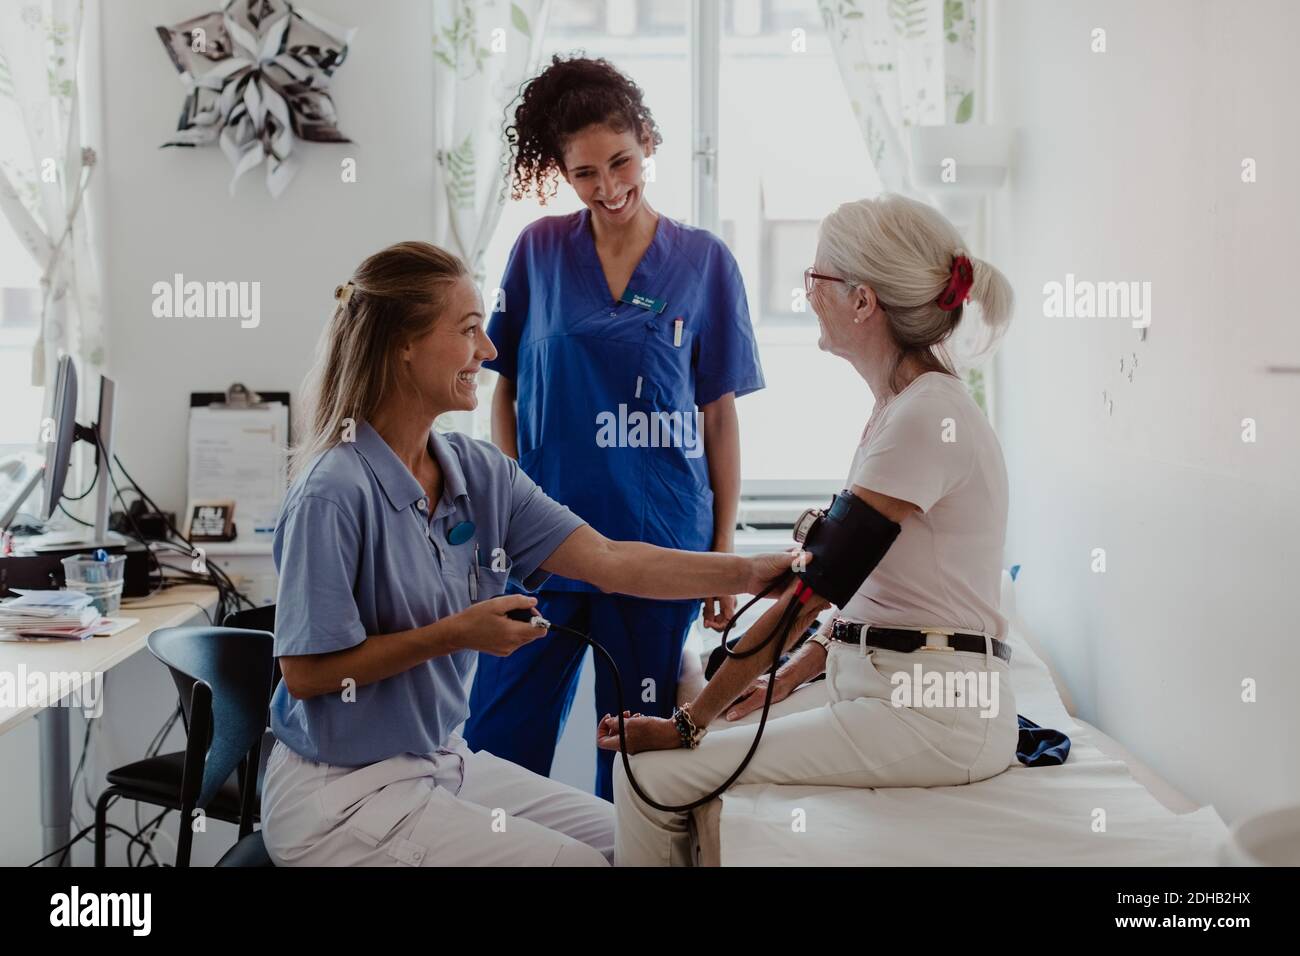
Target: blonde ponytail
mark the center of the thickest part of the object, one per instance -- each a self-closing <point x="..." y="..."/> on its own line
<point x="394" y="297"/>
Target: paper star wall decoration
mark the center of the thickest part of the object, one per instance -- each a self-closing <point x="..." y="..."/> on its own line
<point x="257" y="74"/>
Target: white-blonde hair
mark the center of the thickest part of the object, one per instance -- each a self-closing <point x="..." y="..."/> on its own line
<point x="904" y="250"/>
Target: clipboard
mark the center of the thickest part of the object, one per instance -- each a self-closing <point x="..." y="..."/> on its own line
<point x="239" y="452"/>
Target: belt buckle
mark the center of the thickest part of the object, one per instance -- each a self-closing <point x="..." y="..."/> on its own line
<point x="936" y="639"/>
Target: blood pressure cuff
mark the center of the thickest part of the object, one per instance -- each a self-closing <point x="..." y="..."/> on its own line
<point x="846" y="542"/>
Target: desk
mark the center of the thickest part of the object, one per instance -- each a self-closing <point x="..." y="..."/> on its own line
<point x="173" y="607"/>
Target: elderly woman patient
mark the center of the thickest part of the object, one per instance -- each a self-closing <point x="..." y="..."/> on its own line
<point x="888" y="287"/>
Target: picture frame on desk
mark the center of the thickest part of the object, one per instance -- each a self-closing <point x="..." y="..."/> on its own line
<point x="212" y="521"/>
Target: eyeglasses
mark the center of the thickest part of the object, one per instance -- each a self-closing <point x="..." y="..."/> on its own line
<point x="809" y="276"/>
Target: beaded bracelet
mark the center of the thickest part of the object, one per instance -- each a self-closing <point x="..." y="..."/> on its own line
<point x="686" y="729"/>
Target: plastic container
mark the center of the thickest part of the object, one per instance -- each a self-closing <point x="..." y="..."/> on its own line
<point x="100" y="575"/>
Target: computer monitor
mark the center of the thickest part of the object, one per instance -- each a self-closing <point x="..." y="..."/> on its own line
<point x="61" y="435"/>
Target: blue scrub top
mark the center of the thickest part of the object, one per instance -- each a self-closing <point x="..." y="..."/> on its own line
<point x="598" y="382"/>
<point x="361" y="552"/>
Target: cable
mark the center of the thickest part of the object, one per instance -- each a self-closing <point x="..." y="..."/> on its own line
<point x="155" y="832"/>
<point x="779" y="632"/>
<point x="133" y="862"/>
<point x="84" y="524"/>
<point x="155" y="745"/>
<point x="63" y="849"/>
<point x="173" y="546"/>
<point x="160" y="737"/>
<point x="741" y="655"/>
<point x="81" y="763"/>
<point x="139" y="535"/>
<point x="93" y="481"/>
<point x="134" y="838"/>
<point x="219" y="575"/>
<point x="177" y="604"/>
<point x="227" y="593"/>
<point x="66" y="849"/>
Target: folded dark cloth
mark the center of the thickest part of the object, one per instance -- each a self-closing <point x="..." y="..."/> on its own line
<point x="1039" y="746"/>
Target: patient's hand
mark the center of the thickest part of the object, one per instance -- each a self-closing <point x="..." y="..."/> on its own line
<point x="643" y="733"/>
<point x="752" y="699"/>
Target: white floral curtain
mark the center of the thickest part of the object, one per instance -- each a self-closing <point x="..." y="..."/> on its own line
<point x="42" y="44"/>
<point x="483" y="50"/>
<point x="904" y="63"/>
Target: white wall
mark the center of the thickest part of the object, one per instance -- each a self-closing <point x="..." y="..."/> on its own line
<point x="1128" y="167"/>
<point x="168" y="211"/>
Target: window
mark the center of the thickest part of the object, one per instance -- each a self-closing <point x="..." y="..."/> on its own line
<point x="663" y="16"/>
<point x="577" y="16"/>
<point x="785" y="246"/>
<point x="781" y="92"/>
<point x="752" y="17"/>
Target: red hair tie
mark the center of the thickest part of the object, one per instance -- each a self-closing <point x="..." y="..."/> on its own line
<point x="959" y="283"/>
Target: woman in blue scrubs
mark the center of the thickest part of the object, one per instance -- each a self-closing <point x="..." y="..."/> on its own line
<point x="624" y="340"/>
<point x="393" y="546"/>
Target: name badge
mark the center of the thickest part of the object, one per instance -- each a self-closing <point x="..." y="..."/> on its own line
<point x="643" y="301"/>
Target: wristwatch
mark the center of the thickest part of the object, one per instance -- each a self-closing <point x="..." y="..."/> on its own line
<point x="822" y="639"/>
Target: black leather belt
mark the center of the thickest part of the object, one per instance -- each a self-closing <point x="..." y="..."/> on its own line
<point x="906" y="641"/>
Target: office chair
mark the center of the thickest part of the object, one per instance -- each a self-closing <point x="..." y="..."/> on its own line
<point x="223" y="676"/>
<point x="157" y="780"/>
<point x="250" y="850"/>
<point x="259" y="619"/>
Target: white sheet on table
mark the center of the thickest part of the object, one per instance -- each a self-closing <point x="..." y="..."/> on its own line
<point x="1027" y="816"/>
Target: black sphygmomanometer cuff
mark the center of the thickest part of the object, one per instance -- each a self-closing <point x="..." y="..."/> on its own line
<point x="846" y="544"/>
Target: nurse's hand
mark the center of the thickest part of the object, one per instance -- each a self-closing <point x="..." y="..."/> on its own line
<point x="718" y="611"/>
<point x="764" y="568"/>
<point x="485" y="627"/>
<point x="643" y="733"/>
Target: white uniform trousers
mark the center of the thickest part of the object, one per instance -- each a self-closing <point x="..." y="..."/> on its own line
<point x="449" y="808"/>
<point x="843" y="731"/>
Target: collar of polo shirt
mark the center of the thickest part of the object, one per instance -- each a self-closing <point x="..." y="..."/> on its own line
<point x="400" y="487"/>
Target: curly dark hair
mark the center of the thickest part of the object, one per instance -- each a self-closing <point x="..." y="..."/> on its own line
<point x="568" y="96"/>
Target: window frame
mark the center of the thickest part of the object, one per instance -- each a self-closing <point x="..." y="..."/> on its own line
<point x="704" y="41"/>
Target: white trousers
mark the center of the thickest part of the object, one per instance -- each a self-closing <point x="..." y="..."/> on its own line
<point x="844" y="731"/>
<point x="449" y="808"/>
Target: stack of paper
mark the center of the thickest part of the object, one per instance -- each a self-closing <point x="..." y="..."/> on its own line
<point x="65" y="614"/>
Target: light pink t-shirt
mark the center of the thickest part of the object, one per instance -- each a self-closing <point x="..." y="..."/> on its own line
<point x="931" y="445"/>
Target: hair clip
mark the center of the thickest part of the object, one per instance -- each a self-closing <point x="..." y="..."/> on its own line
<point x="960" y="280"/>
<point x="343" y="293"/>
